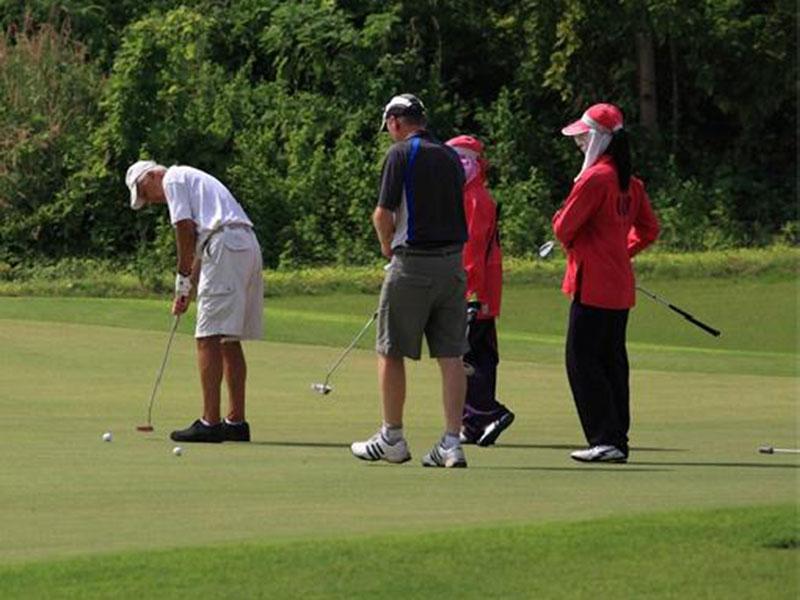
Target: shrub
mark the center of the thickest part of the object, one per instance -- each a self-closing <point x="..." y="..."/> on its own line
<point x="48" y="104"/>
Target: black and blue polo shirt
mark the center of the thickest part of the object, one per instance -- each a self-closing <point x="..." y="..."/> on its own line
<point x="422" y="183"/>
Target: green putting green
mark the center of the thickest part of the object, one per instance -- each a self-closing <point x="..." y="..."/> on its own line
<point x="76" y="368"/>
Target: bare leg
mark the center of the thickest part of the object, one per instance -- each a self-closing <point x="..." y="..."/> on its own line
<point x="392" y="381"/>
<point x="454" y="389"/>
<point x="209" y="361"/>
<point x="235" y="370"/>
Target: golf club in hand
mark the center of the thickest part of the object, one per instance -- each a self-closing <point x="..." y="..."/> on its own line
<point x="325" y="388"/>
<point x="149" y="426"/>
<point x="547" y="248"/>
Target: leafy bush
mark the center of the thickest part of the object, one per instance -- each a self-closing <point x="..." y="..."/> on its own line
<point x="48" y="104"/>
<point x="281" y="100"/>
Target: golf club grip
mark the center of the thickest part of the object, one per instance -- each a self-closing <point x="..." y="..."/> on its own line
<point x="691" y="319"/>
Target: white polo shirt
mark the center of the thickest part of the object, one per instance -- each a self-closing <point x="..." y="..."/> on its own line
<point x="196" y="195"/>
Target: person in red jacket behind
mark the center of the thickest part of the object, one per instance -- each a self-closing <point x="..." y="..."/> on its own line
<point x="603" y="223"/>
<point x="484" y="417"/>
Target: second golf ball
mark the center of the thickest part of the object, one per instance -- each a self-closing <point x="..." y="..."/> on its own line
<point x="107" y="437"/>
<point x="177" y="450"/>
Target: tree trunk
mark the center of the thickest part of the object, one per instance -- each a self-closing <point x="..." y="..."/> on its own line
<point x="648" y="108"/>
<point x="676" y="111"/>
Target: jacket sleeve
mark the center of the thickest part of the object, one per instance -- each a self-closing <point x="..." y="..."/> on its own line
<point x="579" y="206"/>
<point x="644" y="230"/>
<point x="479" y="230"/>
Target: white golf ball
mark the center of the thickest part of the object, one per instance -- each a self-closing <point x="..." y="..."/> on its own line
<point x="177" y="450"/>
<point x="107" y="437"/>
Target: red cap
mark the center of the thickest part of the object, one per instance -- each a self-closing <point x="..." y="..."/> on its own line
<point x="468" y="142"/>
<point x="602" y="117"/>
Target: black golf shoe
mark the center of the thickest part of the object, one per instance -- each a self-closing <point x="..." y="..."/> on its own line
<point x="197" y="432"/>
<point x="239" y="432"/>
<point x="493" y="430"/>
<point x="469" y="435"/>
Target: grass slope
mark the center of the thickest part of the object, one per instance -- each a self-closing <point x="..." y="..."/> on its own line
<point x="758" y="318"/>
<point x="745" y="553"/>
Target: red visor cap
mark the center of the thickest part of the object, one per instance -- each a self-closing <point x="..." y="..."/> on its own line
<point x="603" y="117"/>
<point x="468" y="142"/>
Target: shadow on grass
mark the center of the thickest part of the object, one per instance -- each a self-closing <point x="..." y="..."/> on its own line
<point x="735" y="465"/>
<point x="616" y="469"/>
<point x="304" y="444"/>
<point x="580" y="447"/>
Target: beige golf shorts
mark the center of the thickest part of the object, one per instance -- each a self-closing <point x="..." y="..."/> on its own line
<point x="230" y="293"/>
<point x="423" y="295"/>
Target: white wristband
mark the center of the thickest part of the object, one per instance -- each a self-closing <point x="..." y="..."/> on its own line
<point x="183" y="285"/>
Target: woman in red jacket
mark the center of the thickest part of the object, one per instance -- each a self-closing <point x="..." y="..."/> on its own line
<point x="603" y="223"/>
<point x="484" y="417"/>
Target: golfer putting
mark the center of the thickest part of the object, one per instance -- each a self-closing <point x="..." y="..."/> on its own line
<point x="218" y="253"/>
<point x="421" y="227"/>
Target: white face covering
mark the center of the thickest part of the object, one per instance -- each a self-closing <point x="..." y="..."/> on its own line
<point x="470" y="166"/>
<point x="592" y="144"/>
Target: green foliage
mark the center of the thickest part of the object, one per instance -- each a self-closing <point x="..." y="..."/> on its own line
<point x="48" y="104"/>
<point x="281" y="101"/>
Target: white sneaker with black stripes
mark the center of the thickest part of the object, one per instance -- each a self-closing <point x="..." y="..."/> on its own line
<point x="445" y="457"/>
<point x="377" y="448"/>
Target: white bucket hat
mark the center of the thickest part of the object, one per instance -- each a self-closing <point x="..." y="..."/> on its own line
<point x="132" y="177"/>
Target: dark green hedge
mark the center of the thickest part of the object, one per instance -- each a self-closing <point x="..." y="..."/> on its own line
<point x="282" y="101"/>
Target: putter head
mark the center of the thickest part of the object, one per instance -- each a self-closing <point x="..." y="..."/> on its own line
<point x="766" y="450"/>
<point x="147" y="428"/>
<point x="322" y="388"/>
<point x="546" y="249"/>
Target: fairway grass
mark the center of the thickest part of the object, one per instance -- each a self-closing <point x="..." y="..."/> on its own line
<point x="697" y="512"/>
<point x="744" y="553"/>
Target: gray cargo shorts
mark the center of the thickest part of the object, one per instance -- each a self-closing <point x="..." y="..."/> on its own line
<point x="423" y="294"/>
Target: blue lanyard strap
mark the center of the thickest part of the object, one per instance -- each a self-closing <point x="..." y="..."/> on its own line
<point x="409" y="187"/>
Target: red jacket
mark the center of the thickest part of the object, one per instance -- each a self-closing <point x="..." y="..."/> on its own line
<point x="483" y="259"/>
<point x="601" y="228"/>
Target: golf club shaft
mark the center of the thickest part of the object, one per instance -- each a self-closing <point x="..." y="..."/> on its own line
<point x="161" y="369"/>
<point x="683" y="313"/>
<point x="350" y="347"/>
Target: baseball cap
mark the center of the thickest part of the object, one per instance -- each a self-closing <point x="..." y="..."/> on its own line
<point x="601" y="117"/>
<point x="404" y="104"/>
<point x="135" y="172"/>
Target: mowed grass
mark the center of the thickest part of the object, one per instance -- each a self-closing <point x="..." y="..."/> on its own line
<point x="711" y="554"/>
<point x="292" y="514"/>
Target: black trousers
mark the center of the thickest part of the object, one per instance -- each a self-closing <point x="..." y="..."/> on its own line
<point x="481" y="406"/>
<point x="597" y="368"/>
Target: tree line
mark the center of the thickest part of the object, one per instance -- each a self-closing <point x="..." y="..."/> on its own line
<point x="282" y="101"/>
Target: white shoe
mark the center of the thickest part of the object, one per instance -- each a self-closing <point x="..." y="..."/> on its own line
<point x="445" y="457"/>
<point x="600" y="454"/>
<point x="377" y="448"/>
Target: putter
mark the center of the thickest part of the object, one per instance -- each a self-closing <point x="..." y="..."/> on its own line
<point x="324" y="388"/>
<point x="683" y="313"/>
<point x="771" y="450"/>
<point x="149" y="426"/>
<point x="546" y="249"/>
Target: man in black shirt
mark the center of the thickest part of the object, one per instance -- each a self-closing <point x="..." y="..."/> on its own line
<point x="421" y="227"/>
